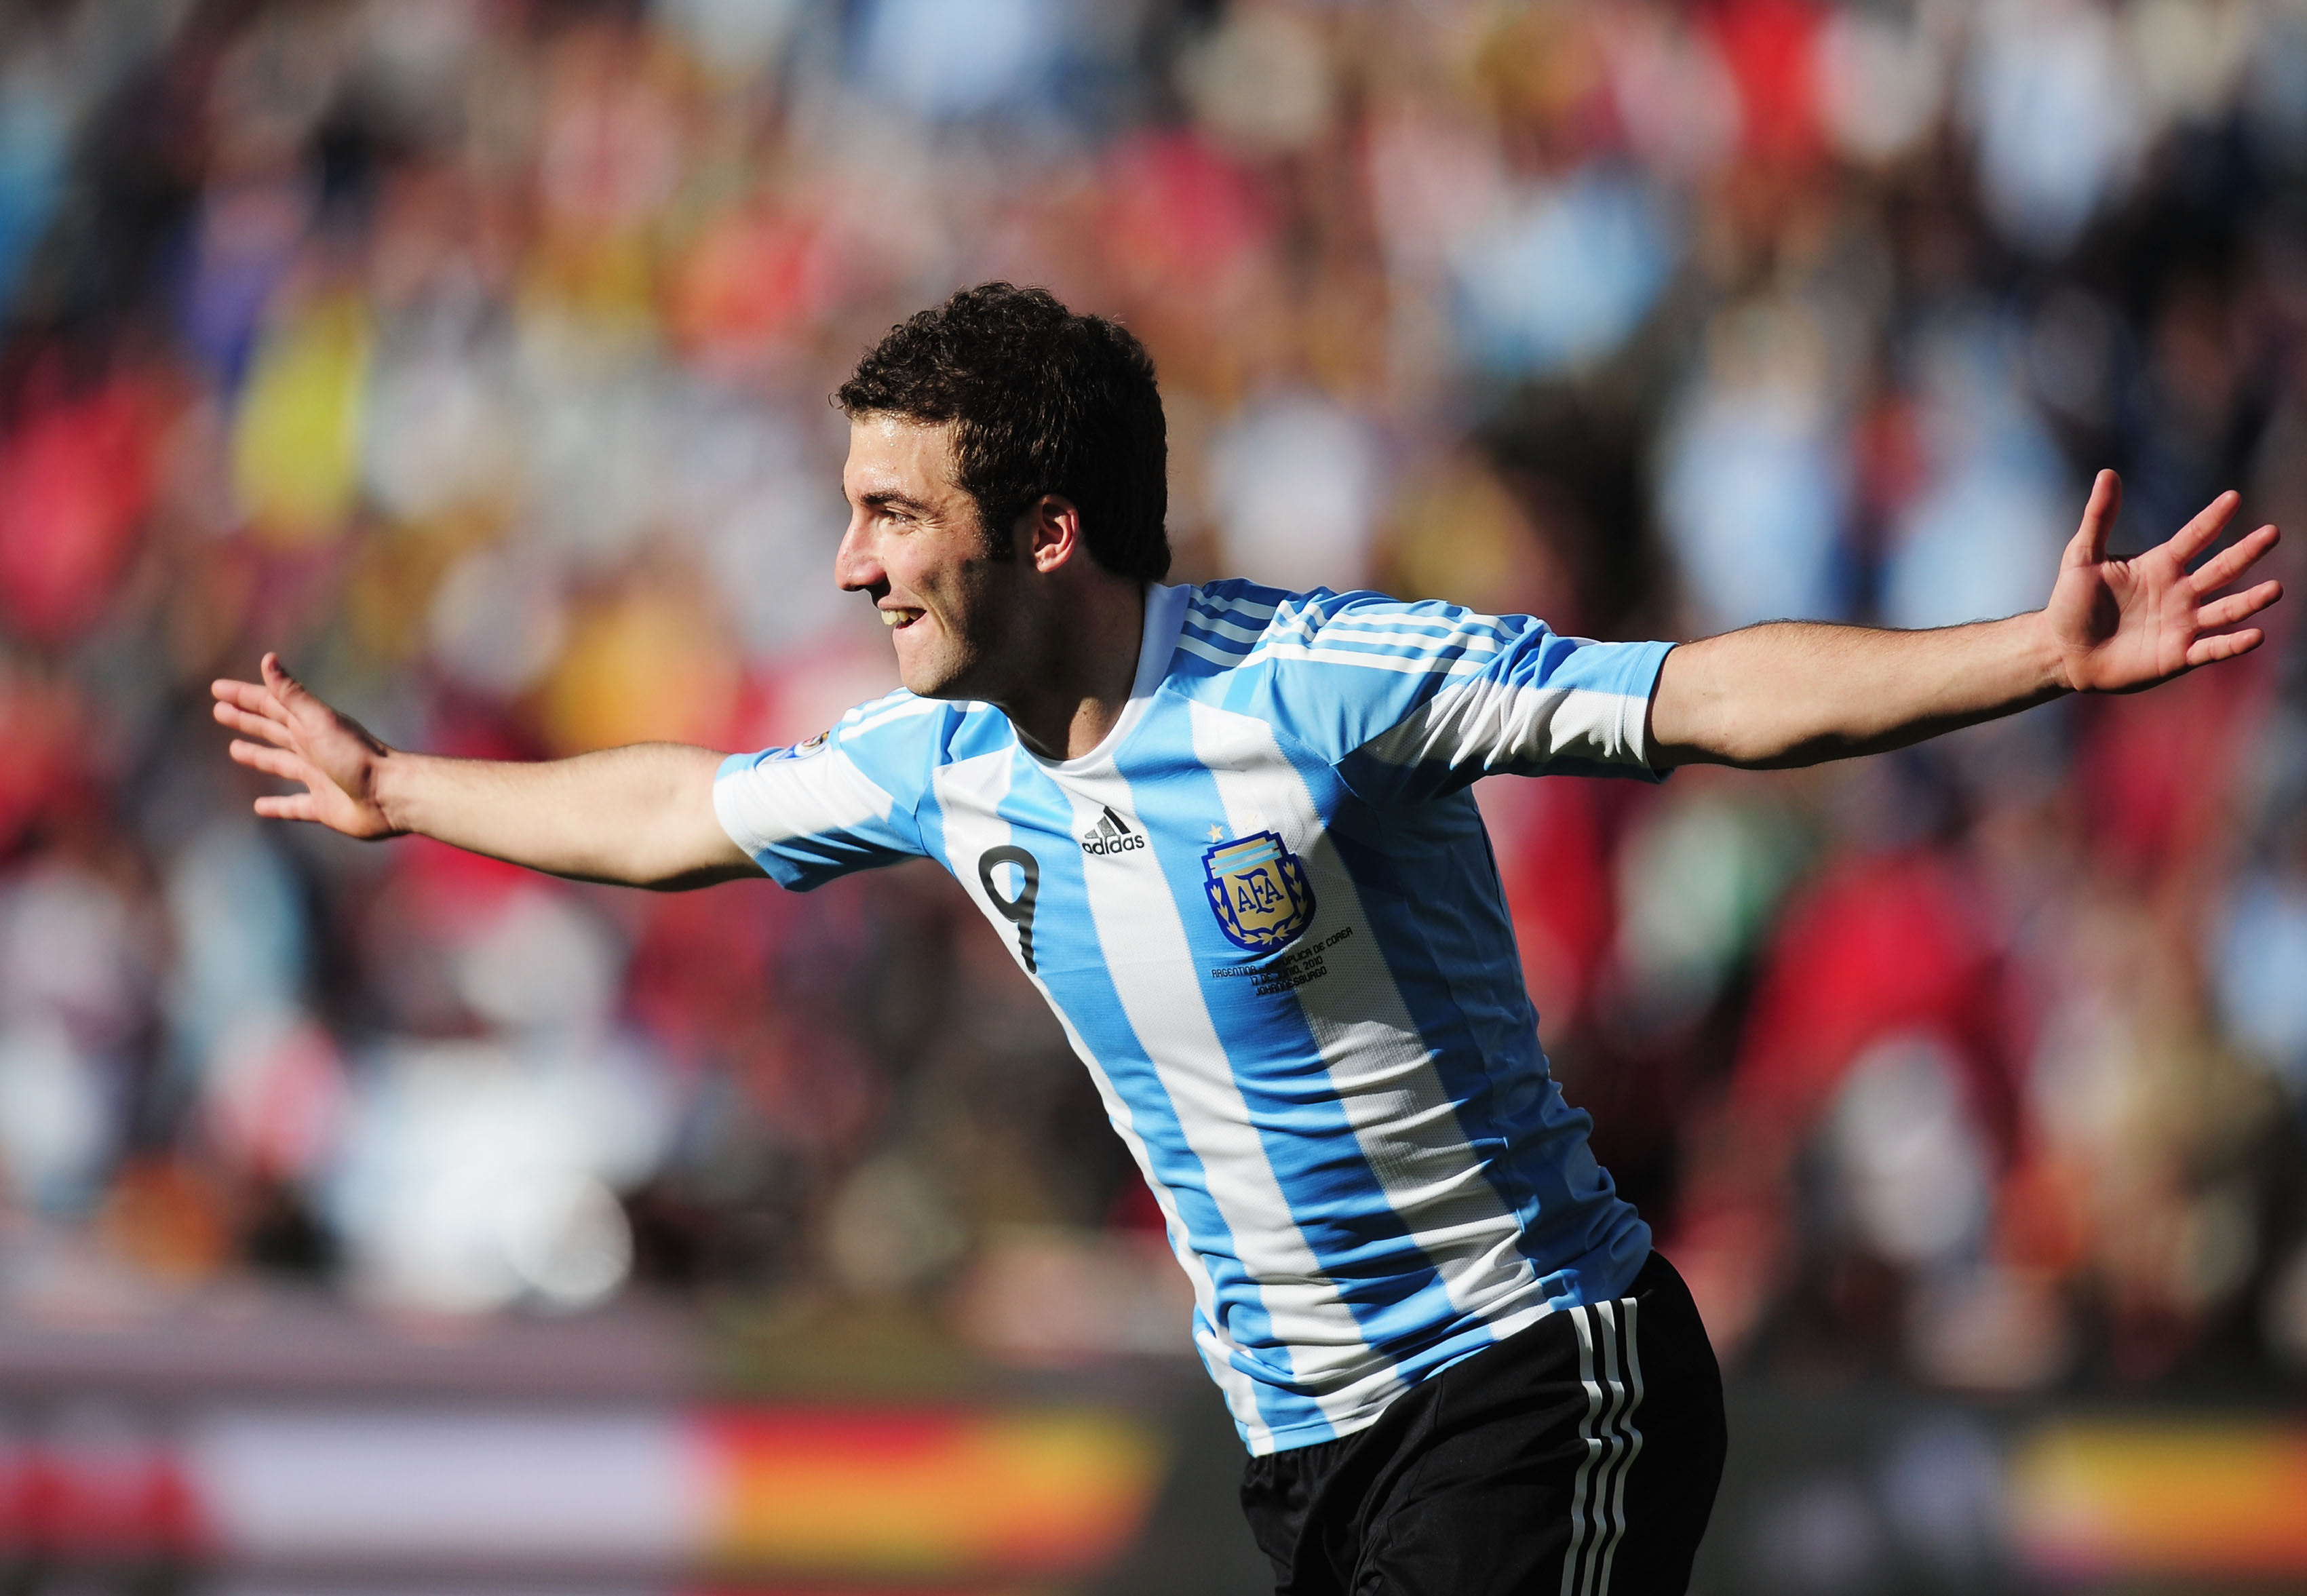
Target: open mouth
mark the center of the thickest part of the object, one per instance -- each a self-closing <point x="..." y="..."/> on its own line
<point x="896" y="619"/>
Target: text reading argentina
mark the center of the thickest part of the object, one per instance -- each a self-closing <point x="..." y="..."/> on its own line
<point x="1258" y="889"/>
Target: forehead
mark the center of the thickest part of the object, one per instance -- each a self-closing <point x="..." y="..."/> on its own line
<point x="890" y="454"/>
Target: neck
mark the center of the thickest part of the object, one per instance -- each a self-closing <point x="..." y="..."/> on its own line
<point x="1082" y="681"/>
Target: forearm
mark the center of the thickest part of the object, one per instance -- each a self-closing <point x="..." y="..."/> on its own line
<point x="640" y="816"/>
<point x="1791" y="693"/>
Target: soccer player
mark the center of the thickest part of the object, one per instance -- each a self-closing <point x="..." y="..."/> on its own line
<point x="1227" y="831"/>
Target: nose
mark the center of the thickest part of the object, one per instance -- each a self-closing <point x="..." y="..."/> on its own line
<point x="855" y="566"/>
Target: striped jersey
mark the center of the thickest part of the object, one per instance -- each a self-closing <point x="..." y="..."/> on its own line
<point x="1266" y="912"/>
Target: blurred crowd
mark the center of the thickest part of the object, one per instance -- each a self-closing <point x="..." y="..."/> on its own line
<point x="475" y="353"/>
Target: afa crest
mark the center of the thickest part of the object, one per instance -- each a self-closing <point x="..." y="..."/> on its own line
<point x="802" y="750"/>
<point x="1259" y="892"/>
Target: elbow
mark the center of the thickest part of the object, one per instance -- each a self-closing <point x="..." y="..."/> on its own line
<point x="1746" y="750"/>
<point x="695" y="877"/>
<point x="1718" y="746"/>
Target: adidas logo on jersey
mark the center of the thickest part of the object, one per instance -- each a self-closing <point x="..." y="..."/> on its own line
<point x="1112" y="835"/>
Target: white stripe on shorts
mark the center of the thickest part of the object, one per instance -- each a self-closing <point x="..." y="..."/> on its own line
<point x="1606" y="1335"/>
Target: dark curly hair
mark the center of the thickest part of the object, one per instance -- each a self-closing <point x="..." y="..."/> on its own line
<point x="1042" y="402"/>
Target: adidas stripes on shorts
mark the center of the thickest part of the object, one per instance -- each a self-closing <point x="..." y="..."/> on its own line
<point x="1579" y="1457"/>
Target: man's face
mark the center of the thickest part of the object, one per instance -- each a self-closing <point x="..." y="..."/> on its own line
<point x="917" y="546"/>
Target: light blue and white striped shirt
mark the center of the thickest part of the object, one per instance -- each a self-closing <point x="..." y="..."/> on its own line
<point x="1266" y="912"/>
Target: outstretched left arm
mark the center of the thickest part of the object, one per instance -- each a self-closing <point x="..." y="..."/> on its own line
<point x="1789" y="694"/>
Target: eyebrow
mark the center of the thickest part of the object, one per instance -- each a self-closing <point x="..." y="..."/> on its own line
<point x="886" y="500"/>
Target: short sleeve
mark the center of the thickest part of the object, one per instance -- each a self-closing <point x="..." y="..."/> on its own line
<point x="1541" y="705"/>
<point x="1412" y="701"/>
<point x="841" y="801"/>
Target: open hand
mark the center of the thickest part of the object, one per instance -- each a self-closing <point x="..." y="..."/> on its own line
<point x="298" y="738"/>
<point x="2121" y="625"/>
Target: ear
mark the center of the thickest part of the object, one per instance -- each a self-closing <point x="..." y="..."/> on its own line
<point x="1050" y="533"/>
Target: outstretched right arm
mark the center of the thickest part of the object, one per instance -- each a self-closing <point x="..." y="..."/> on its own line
<point x="640" y="816"/>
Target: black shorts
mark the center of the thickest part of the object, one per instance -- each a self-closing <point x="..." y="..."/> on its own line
<point x="1578" y="1457"/>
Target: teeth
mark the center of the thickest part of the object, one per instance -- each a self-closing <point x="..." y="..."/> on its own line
<point x="896" y="618"/>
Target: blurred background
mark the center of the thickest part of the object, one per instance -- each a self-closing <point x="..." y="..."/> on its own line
<point x="379" y="1218"/>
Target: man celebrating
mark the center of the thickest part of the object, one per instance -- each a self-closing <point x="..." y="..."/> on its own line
<point x="1227" y="831"/>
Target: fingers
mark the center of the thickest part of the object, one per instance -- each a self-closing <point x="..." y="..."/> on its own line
<point x="2238" y="606"/>
<point x="2232" y="561"/>
<point x="262" y="710"/>
<point x="2227" y="645"/>
<point x="2088" y="545"/>
<point x="273" y="761"/>
<point x="247" y="696"/>
<point x="2210" y="521"/>
<point x="253" y="725"/>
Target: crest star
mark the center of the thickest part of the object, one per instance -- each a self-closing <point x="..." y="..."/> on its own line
<point x="1217" y="834"/>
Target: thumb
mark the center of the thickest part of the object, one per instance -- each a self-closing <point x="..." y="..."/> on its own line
<point x="2088" y="545"/>
<point x="291" y="694"/>
<point x="283" y="685"/>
